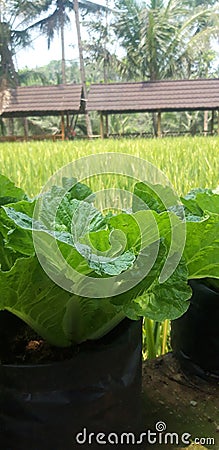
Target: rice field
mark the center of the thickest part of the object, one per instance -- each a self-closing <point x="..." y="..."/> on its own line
<point x="188" y="162"/>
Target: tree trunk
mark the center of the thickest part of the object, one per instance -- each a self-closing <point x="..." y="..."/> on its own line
<point x="7" y="64"/>
<point x="82" y="69"/>
<point x="63" y="51"/>
<point x="105" y="60"/>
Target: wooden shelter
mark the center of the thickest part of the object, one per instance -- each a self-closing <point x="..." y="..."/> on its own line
<point x="111" y="98"/>
<point x="53" y="100"/>
<point x="153" y="96"/>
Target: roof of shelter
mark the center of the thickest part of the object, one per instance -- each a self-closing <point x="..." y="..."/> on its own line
<point x="174" y="95"/>
<point x="42" y="100"/>
<point x="149" y="96"/>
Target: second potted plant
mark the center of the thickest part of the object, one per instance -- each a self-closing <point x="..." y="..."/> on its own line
<point x="195" y="336"/>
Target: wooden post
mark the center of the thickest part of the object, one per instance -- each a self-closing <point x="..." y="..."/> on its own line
<point x="101" y="126"/>
<point x="25" y="128"/>
<point x="212" y="122"/>
<point x="63" y="126"/>
<point x="205" y="128"/>
<point x="107" y="125"/>
<point x="11" y="126"/>
<point x="159" y="124"/>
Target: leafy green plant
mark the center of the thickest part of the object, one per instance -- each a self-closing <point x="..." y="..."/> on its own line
<point x="60" y="316"/>
<point x="200" y="210"/>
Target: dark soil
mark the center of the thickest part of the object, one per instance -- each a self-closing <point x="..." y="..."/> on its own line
<point x="19" y="344"/>
<point x="186" y="403"/>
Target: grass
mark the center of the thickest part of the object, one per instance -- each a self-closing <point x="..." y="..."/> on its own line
<point x="188" y="162"/>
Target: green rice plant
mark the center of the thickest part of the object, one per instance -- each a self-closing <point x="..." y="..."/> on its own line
<point x="188" y="162"/>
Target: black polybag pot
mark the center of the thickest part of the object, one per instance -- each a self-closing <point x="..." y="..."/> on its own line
<point x="195" y="335"/>
<point x="44" y="407"/>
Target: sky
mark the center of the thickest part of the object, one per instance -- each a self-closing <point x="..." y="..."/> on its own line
<point x="39" y="55"/>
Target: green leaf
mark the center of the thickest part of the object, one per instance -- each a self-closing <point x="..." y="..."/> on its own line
<point x="155" y="300"/>
<point x="7" y="255"/>
<point x="157" y="303"/>
<point x="60" y="210"/>
<point x="128" y="225"/>
<point x="77" y="190"/>
<point x="87" y="318"/>
<point x="156" y="197"/>
<point x="79" y="217"/>
<point x="208" y="202"/>
<point x="16" y="227"/>
<point x="105" y="242"/>
<point x="171" y="228"/>
<point x="9" y="193"/>
<point x="198" y="201"/>
<point x="55" y="314"/>
<point x="202" y="247"/>
<point x="157" y="249"/>
<point x="112" y="266"/>
<point x="59" y="257"/>
<point x="27" y="292"/>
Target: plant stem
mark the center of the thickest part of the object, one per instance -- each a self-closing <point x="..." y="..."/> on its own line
<point x="151" y="350"/>
<point x="165" y="334"/>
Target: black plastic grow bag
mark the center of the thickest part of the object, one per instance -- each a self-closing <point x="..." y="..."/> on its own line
<point x="44" y="407"/>
<point x="195" y="335"/>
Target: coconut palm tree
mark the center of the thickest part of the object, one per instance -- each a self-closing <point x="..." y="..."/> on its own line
<point x="164" y="39"/>
<point x="82" y="68"/>
<point x="56" y="20"/>
<point x="15" y="17"/>
<point x="58" y="17"/>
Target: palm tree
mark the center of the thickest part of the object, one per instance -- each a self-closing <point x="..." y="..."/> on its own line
<point x="57" y="17"/>
<point x="82" y="69"/>
<point x="100" y="48"/>
<point x="14" y="19"/>
<point x="164" y="39"/>
<point x="56" y="21"/>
